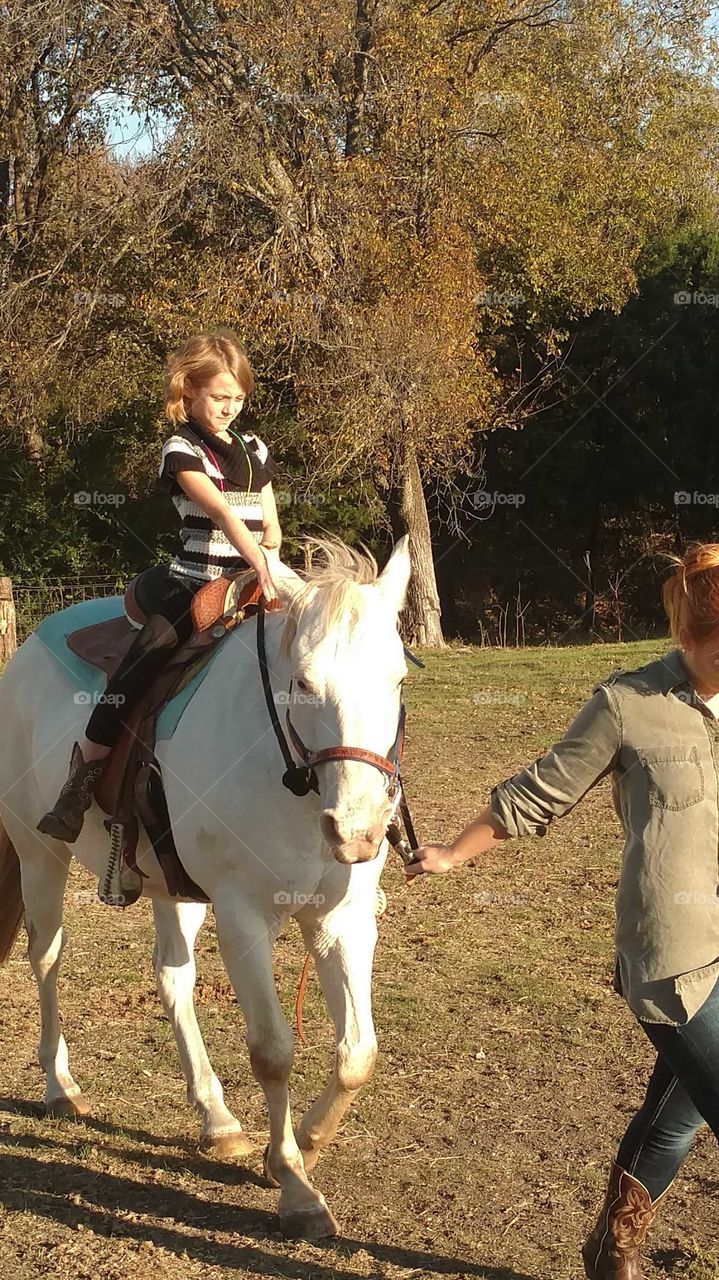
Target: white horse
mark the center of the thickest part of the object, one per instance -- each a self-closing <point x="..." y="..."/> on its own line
<point x="261" y="853"/>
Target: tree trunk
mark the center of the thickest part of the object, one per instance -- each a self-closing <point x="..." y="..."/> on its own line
<point x="8" y="631"/>
<point x="590" y="560"/>
<point x="420" y="619"/>
<point x="364" y="36"/>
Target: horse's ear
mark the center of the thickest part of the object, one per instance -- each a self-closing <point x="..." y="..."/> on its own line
<point x="394" y="578"/>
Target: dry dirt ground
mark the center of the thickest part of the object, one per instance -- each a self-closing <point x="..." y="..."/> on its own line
<point x="508" y="1067"/>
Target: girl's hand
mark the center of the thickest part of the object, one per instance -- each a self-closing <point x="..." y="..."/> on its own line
<point x="430" y="859"/>
<point x="264" y="578"/>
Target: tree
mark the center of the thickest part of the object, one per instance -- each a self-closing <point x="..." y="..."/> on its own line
<point x="402" y="208"/>
<point x="397" y="162"/>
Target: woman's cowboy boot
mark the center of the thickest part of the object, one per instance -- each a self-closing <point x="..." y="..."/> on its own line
<point x="64" y="821"/>
<point x="612" y="1250"/>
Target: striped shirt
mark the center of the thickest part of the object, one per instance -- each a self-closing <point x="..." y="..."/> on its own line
<point x="239" y="470"/>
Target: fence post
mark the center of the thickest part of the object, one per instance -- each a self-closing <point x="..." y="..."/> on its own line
<point x="8" y="629"/>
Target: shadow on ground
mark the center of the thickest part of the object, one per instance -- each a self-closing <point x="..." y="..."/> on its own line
<point x="43" y="1186"/>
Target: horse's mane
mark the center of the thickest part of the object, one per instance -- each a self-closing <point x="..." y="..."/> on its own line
<point x="333" y="581"/>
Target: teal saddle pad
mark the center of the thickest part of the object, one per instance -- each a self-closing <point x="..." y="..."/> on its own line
<point x="88" y="681"/>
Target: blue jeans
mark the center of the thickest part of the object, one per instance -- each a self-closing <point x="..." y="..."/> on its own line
<point x="682" y="1096"/>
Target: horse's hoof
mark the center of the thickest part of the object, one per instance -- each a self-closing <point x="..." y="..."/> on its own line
<point x="226" y="1145"/>
<point x="68" y="1108"/>
<point x="270" y="1177"/>
<point x="313" y="1223"/>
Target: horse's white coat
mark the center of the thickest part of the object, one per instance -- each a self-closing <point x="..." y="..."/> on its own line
<point x="261" y="853"/>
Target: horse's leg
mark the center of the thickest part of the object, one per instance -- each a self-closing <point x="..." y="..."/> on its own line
<point x="342" y="946"/>
<point x="247" y="952"/>
<point x="176" y="928"/>
<point x="43" y="873"/>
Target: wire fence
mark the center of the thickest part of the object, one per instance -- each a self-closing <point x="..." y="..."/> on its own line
<point x="33" y="601"/>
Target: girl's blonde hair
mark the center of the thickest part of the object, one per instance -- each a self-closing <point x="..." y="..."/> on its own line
<point x="691" y="594"/>
<point x="200" y="358"/>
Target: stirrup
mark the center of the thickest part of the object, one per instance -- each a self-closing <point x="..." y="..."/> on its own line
<point x="121" y="885"/>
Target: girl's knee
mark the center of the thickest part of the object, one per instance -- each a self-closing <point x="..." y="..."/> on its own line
<point x="158" y="633"/>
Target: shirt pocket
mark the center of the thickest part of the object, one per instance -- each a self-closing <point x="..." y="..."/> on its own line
<point x="674" y="781"/>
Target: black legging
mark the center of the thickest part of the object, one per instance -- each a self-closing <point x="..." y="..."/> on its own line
<point x="167" y="600"/>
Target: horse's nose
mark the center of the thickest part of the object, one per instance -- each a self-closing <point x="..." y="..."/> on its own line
<point x="339" y="831"/>
<point x="332" y="829"/>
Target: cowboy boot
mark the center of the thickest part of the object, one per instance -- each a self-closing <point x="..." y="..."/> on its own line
<point x="612" y="1250"/>
<point x="64" y="821"/>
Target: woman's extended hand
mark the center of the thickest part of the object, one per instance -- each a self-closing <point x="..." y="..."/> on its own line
<point x="432" y="859"/>
<point x="480" y="835"/>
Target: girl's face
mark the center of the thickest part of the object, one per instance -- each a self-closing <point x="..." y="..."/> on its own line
<point x="702" y="658"/>
<point x="216" y="403"/>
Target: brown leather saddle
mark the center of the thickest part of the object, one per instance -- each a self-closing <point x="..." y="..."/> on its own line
<point x="130" y="788"/>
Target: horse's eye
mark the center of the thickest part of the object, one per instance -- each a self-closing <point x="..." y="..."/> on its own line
<point x="301" y="685"/>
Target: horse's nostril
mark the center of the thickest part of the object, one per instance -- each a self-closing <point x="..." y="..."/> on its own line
<point x="337" y="834"/>
<point x="329" y="828"/>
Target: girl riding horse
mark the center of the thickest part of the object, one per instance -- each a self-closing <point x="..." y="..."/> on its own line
<point x="220" y="481"/>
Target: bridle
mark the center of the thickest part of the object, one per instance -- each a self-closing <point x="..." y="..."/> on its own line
<point x="300" y="779"/>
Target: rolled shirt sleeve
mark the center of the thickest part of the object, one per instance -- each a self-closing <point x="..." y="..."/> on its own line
<point x="526" y="803"/>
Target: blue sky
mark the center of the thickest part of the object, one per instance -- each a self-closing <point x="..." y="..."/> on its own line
<point x="130" y="135"/>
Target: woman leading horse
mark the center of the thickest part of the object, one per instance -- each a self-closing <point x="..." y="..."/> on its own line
<point x="655" y="731"/>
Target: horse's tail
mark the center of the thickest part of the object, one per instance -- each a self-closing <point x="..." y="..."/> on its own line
<point x="11" y="903"/>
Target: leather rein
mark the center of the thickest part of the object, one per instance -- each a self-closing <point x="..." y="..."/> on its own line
<point x="302" y="778"/>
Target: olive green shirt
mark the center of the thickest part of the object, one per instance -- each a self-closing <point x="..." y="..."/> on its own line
<point x="659" y="741"/>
